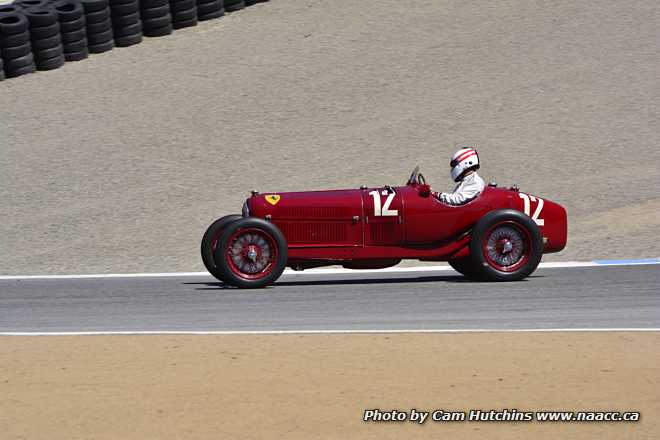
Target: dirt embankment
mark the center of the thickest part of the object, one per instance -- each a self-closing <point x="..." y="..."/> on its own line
<point x="317" y="386"/>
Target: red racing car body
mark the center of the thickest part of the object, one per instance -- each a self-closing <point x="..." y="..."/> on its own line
<point x="498" y="236"/>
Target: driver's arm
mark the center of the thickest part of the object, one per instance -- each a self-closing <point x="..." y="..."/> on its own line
<point x="459" y="197"/>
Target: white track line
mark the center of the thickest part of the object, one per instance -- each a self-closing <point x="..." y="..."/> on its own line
<point x="320" y="332"/>
<point x="320" y="271"/>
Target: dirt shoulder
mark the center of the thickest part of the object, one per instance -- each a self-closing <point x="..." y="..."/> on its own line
<point x="317" y="386"/>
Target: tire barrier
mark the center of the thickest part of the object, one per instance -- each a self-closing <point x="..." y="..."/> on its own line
<point x="44" y="34"/>
<point x="15" y="45"/>
<point x="73" y="29"/>
<point x="156" y="18"/>
<point x="234" y="5"/>
<point x="126" y="22"/>
<point x="98" y="25"/>
<point x="184" y="13"/>
<point x="210" y="9"/>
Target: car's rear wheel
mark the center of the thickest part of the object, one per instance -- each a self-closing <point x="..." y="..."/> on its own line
<point x="506" y="245"/>
<point x="251" y="253"/>
<point x="210" y="241"/>
<point x="465" y="267"/>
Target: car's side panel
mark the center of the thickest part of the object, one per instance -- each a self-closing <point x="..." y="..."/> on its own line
<point x="315" y="218"/>
<point x="428" y="220"/>
<point x="383" y="216"/>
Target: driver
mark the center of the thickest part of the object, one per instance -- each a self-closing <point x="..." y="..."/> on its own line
<point x="464" y="165"/>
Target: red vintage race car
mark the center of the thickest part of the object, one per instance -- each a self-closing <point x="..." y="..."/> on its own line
<point x="499" y="236"/>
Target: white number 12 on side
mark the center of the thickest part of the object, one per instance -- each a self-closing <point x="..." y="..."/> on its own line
<point x="385" y="210"/>
<point x="527" y="207"/>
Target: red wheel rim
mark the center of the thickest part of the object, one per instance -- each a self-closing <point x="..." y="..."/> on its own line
<point x="251" y="253"/>
<point x="507" y="246"/>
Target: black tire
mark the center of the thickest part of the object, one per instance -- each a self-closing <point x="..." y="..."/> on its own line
<point x="20" y="71"/>
<point x="148" y="4"/>
<point x="16" y="51"/>
<point x="190" y="14"/>
<point x="51" y="63"/>
<point x="15" y="40"/>
<point x="76" y="56"/>
<point x="97" y="28"/>
<point x="25" y="4"/>
<point x="119" y="21"/>
<point x="94" y="5"/>
<point x="13" y="23"/>
<point x="40" y="18"/>
<point x="157" y="12"/>
<point x="51" y="52"/>
<point x="17" y="63"/>
<point x="128" y="40"/>
<point x="97" y="17"/>
<point x="531" y="244"/>
<point x="10" y="9"/>
<point x="277" y="266"/>
<point x="73" y="36"/>
<point x="210" y="237"/>
<point x="68" y="10"/>
<point x="159" y="32"/>
<point x="210" y="7"/>
<point x="37" y="33"/>
<point x="234" y="5"/>
<point x="124" y="8"/>
<point x="101" y="47"/>
<point x="184" y="23"/>
<point x="46" y="43"/>
<point x="73" y="25"/>
<point x="464" y="267"/>
<point x="211" y="15"/>
<point x="75" y="46"/>
<point x="156" y="23"/>
<point x="129" y="30"/>
<point x="99" y="38"/>
<point x="182" y="5"/>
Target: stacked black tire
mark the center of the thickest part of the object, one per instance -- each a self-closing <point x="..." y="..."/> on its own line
<point x="15" y="46"/>
<point x="210" y="9"/>
<point x="234" y="5"/>
<point x="126" y="22"/>
<point x="98" y="24"/>
<point x="184" y="13"/>
<point x="156" y="18"/>
<point x="73" y="29"/>
<point x="45" y="35"/>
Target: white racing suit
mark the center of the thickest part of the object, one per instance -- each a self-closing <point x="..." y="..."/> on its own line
<point x="467" y="190"/>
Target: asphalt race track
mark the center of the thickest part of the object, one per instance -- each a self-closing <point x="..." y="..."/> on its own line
<point x="591" y="297"/>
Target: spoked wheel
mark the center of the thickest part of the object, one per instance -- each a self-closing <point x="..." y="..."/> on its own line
<point x="506" y="245"/>
<point x="210" y="242"/>
<point x="251" y="253"/>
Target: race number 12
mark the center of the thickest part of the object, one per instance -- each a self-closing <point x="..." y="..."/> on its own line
<point x="384" y="209"/>
<point x="527" y="207"/>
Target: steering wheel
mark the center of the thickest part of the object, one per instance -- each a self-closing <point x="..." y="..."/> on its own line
<point x="413" y="176"/>
<point x="420" y="179"/>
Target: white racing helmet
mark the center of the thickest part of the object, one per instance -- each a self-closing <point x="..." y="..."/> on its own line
<point x="463" y="160"/>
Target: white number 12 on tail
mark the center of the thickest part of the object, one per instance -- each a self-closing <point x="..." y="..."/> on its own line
<point x="385" y="210"/>
<point x="527" y="207"/>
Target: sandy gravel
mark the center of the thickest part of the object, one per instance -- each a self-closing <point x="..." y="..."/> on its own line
<point x="119" y="162"/>
<point x="317" y="386"/>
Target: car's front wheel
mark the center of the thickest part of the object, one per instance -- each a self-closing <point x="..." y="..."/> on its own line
<point x="251" y="253"/>
<point x="210" y="241"/>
